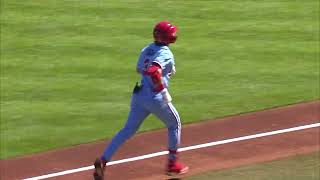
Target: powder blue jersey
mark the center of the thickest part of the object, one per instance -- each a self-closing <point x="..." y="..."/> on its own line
<point x="159" y="54"/>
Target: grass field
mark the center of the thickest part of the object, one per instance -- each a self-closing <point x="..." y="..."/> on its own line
<point x="68" y="66"/>
<point x="305" y="167"/>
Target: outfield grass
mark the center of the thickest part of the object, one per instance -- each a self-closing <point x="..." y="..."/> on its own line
<point x="305" y="167"/>
<point x="68" y="66"/>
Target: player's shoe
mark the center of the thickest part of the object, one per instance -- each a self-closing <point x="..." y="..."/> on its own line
<point x="99" y="166"/>
<point x="176" y="168"/>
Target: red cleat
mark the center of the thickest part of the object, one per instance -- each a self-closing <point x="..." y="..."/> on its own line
<point x="175" y="168"/>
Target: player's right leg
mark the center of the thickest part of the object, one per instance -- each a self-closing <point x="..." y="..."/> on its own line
<point x="136" y="116"/>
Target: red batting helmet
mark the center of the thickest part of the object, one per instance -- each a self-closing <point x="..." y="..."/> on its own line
<point x="165" y="32"/>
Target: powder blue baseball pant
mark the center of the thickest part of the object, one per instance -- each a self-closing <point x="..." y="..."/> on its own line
<point x="141" y="106"/>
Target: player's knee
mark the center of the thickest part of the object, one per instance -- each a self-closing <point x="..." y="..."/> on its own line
<point x="174" y="127"/>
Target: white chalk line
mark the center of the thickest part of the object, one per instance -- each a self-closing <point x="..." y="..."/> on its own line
<point x="147" y="156"/>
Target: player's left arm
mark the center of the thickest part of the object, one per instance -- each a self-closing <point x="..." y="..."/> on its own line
<point x="171" y="65"/>
<point x="173" y="71"/>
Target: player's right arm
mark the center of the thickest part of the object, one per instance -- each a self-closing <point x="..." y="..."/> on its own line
<point x="155" y="73"/>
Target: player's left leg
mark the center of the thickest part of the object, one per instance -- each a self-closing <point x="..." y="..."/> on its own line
<point x="168" y="114"/>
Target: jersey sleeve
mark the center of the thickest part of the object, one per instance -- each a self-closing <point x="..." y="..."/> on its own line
<point x="165" y="60"/>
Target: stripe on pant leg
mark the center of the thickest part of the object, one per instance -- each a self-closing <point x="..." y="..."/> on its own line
<point x="177" y="117"/>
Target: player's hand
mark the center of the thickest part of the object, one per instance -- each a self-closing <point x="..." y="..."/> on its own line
<point x="166" y="96"/>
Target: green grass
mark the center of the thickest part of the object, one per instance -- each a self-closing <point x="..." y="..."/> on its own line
<point x="305" y="167"/>
<point x="68" y="66"/>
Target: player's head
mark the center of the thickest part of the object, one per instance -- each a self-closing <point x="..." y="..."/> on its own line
<point x="164" y="32"/>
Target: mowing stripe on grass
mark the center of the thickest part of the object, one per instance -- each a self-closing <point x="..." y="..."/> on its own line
<point x="199" y="146"/>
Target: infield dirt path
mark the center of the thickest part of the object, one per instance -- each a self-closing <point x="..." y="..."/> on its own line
<point x="200" y="160"/>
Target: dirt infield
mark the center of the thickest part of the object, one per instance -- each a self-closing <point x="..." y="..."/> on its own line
<point x="200" y="160"/>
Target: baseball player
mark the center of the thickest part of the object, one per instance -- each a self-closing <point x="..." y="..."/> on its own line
<point x="156" y="66"/>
